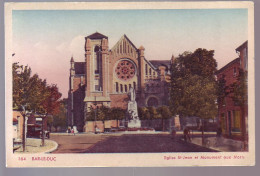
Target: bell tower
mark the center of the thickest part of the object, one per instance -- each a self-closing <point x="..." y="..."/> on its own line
<point x="96" y="58"/>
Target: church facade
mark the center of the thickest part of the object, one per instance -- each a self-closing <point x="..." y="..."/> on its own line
<point x="106" y="76"/>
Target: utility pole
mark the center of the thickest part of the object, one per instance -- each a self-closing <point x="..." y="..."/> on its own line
<point x="24" y="126"/>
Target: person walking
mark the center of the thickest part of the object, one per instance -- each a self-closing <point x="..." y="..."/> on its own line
<point x="72" y="131"/>
<point x="173" y="134"/>
<point x="186" y="134"/>
<point x="68" y="131"/>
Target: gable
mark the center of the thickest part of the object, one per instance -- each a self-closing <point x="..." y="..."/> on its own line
<point x="124" y="47"/>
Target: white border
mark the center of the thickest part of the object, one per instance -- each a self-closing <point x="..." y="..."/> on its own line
<point x="140" y="159"/>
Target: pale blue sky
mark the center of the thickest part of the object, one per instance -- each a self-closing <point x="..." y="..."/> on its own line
<point x="45" y="40"/>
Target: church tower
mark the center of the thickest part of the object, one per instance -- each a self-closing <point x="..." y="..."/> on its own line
<point x="96" y="58"/>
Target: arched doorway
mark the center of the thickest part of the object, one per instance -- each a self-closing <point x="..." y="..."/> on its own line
<point x="152" y="101"/>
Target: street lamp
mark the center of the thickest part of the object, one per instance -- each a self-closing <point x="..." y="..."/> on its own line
<point x="95" y="103"/>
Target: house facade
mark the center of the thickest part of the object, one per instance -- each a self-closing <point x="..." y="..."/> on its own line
<point x="233" y="117"/>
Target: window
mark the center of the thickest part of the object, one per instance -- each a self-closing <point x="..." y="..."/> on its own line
<point x="234" y="71"/>
<point x="81" y="80"/>
<point x="125" y="88"/>
<point x="236" y="123"/>
<point x="121" y="88"/>
<point x="117" y="87"/>
<point x="146" y="69"/>
<point x="97" y="59"/>
<point x="130" y="85"/>
<point x="150" y="71"/>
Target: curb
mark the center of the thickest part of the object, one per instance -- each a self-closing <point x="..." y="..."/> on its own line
<point x="52" y="149"/>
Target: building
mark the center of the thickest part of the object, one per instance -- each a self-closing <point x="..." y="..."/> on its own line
<point x="18" y="125"/>
<point x="232" y="116"/>
<point x="106" y="76"/>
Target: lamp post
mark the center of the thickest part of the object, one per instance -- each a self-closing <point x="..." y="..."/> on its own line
<point x="95" y="103"/>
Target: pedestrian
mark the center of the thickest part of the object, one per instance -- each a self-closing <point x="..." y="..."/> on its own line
<point x="173" y="134"/>
<point x="72" y="131"/>
<point x="186" y="134"/>
<point x="68" y="131"/>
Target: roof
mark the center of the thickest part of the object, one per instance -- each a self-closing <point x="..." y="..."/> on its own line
<point x="79" y="67"/>
<point x="124" y="36"/>
<point x="15" y="115"/>
<point x="157" y="63"/>
<point x="96" y="35"/>
<point x="242" y="46"/>
<point x="228" y="65"/>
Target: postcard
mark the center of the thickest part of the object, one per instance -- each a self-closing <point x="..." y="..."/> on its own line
<point x="139" y="84"/>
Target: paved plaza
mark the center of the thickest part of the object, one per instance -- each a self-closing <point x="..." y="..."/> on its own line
<point x="123" y="143"/>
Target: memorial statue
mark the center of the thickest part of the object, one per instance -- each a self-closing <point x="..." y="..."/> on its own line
<point x="133" y="120"/>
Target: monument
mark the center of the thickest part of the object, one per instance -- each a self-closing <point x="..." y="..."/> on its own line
<point x="133" y="119"/>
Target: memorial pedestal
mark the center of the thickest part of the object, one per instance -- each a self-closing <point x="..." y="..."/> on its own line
<point x="134" y="124"/>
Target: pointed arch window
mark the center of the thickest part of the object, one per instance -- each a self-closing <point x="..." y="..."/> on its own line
<point x="97" y="59"/>
<point x="121" y="88"/>
<point x="125" y="88"/>
<point x="117" y="88"/>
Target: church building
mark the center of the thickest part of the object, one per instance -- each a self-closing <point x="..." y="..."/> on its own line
<point x="106" y="76"/>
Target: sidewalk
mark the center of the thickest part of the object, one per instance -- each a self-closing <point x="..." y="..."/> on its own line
<point x="34" y="146"/>
<point x="222" y="144"/>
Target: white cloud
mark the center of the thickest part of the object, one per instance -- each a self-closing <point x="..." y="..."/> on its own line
<point x="76" y="47"/>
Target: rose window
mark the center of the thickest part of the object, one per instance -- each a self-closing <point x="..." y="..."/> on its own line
<point x="125" y="70"/>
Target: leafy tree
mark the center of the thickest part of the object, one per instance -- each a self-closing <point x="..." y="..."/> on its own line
<point x="142" y="113"/>
<point x="193" y="88"/>
<point x="151" y="114"/>
<point x="117" y="114"/>
<point x="33" y="94"/>
<point x="59" y="119"/>
<point x="165" y="113"/>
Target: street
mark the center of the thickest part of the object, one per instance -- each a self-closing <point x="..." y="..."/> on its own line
<point x="123" y="143"/>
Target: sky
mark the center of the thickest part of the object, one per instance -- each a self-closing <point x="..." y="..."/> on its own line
<point x="45" y="40"/>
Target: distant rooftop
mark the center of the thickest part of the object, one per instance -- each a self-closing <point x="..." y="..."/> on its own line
<point x="157" y="63"/>
<point x="227" y="65"/>
<point x="96" y="35"/>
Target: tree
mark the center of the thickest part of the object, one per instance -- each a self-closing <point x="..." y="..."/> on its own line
<point x="193" y="88"/>
<point x="151" y="114"/>
<point x="117" y="114"/>
<point x="165" y="113"/>
<point x="59" y="120"/>
<point x="33" y="94"/>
